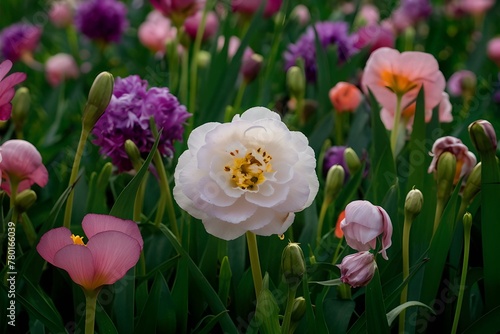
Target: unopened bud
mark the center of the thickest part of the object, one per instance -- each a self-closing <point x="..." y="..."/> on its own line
<point x="413" y="203"/>
<point x="293" y="265"/>
<point x="483" y="136"/>
<point x="250" y="66"/>
<point x="472" y="185"/>
<point x="20" y="107"/>
<point x="99" y="96"/>
<point x="104" y="175"/>
<point x="334" y="182"/>
<point x="467" y="221"/>
<point x="298" y="309"/>
<point x="446" y="169"/>
<point x="352" y="160"/>
<point x="134" y="154"/>
<point x="203" y="59"/>
<point x="25" y="199"/>
<point x="296" y="82"/>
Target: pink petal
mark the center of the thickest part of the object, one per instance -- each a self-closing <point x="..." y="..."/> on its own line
<point x="5" y="67"/>
<point x="20" y="158"/>
<point x="5" y="111"/>
<point x="114" y="253"/>
<point x="40" y="176"/>
<point x="93" y="224"/>
<point x="77" y="261"/>
<point x="52" y="242"/>
<point x="6" y="95"/>
<point x="387" y="236"/>
<point x="11" y="81"/>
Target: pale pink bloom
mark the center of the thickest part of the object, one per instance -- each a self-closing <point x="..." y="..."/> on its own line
<point x="369" y="14"/>
<point x="7" y="90"/>
<point x="301" y="14"/>
<point x="466" y="160"/>
<point x="357" y="269"/>
<point x="21" y="162"/>
<point x="345" y="97"/>
<point x="61" y="14"/>
<point x="474" y="6"/>
<point x="249" y="7"/>
<point x="232" y="48"/>
<point x="114" y="246"/>
<point x="461" y="81"/>
<point x="211" y="25"/>
<point x="156" y="32"/>
<point x="374" y="36"/>
<point x="60" y="67"/>
<point x="493" y="50"/>
<point x="389" y="73"/>
<point x="363" y="224"/>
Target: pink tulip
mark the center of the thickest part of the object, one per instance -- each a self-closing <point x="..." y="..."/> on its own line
<point x="156" y="32"/>
<point x="113" y="247"/>
<point x="374" y="36"/>
<point x="369" y="14"/>
<point x="357" y="269"/>
<point x="7" y="91"/>
<point x="465" y="160"/>
<point x="345" y="97"/>
<point x="177" y="10"/>
<point x="21" y="165"/>
<point x="389" y="74"/>
<point x="193" y="22"/>
<point x="493" y="50"/>
<point x="250" y="66"/>
<point x="60" y="67"/>
<point x="363" y="224"/>
<point x="61" y="14"/>
<point x="249" y="7"/>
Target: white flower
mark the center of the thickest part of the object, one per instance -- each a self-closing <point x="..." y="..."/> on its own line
<point x="248" y="175"/>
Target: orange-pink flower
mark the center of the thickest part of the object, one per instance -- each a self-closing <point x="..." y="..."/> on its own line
<point x="345" y="97"/>
<point x="114" y="246"/>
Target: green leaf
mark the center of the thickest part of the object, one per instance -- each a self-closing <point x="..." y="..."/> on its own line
<point x="393" y="314"/>
<point x="376" y="318"/>
<point x="147" y="320"/>
<point x="266" y="313"/>
<point x="488" y="323"/>
<point x="211" y="321"/>
<point x="224" y="280"/>
<point x="104" y="322"/>
<point x="332" y="282"/>
<point x="123" y="302"/>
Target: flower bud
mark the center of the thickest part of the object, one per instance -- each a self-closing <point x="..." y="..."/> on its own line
<point x="134" y="154"/>
<point x="472" y="185"/>
<point x="301" y="14"/>
<point x="352" y="160"/>
<point x="483" y="136"/>
<point x="20" y="107"/>
<point x="334" y="182"/>
<point x="298" y="309"/>
<point x="203" y="58"/>
<point x="345" y="97"/>
<point x="467" y="221"/>
<point x="413" y="203"/>
<point x="25" y="199"/>
<point x="446" y="169"/>
<point x="296" y="82"/>
<point x="493" y="50"/>
<point x="357" y="269"/>
<point x="250" y="66"/>
<point x="99" y="96"/>
<point x="293" y="265"/>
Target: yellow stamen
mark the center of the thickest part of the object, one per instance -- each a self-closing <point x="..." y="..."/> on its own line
<point x="248" y="171"/>
<point x="77" y="240"/>
<point x="398" y="83"/>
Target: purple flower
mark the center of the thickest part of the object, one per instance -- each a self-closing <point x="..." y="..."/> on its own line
<point x="18" y="39"/>
<point x="410" y="12"/>
<point x="127" y="117"/>
<point x="460" y="82"/>
<point x="357" y="269"/>
<point x="329" y="33"/>
<point x="335" y="156"/>
<point x="102" y="19"/>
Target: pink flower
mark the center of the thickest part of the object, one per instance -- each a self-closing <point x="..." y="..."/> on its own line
<point x="345" y="97"/>
<point x="301" y="14"/>
<point x="465" y="160"/>
<point x="374" y="36"/>
<point x="61" y="14"/>
<point x="493" y="50"/>
<point x="7" y="91"/>
<point x="363" y="224"/>
<point x="60" y="67"/>
<point x="249" y="7"/>
<point x="369" y="14"/>
<point x="357" y="269"/>
<point x="474" y="7"/>
<point x="177" y="10"/>
<point x="113" y="248"/>
<point x="389" y="74"/>
<point x="21" y="164"/>
<point x="234" y="45"/>
<point x="250" y="66"/>
<point x="460" y="82"/>
<point x="193" y="22"/>
<point x="156" y="32"/>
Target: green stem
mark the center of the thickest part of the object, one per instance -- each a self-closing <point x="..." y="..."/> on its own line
<point x="395" y="127"/>
<point x="74" y="173"/>
<point x="285" y="328"/>
<point x="90" y="307"/>
<point x="344" y="291"/>
<point x="184" y="77"/>
<point x="27" y="226"/>
<point x="139" y="199"/>
<point x="439" y="211"/>
<point x="173" y="68"/>
<point x="299" y="110"/>
<point x="406" y="269"/>
<point x="239" y="98"/>
<point x="339" y="131"/>
<point x="254" y="262"/>
<point x="324" y="208"/>
<point x="463" y="278"/>
<point x="337" y="250"/>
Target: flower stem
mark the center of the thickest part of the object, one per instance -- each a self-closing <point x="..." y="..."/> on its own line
<point x="139" y="199"/>
<point x="337" y="250"/>
<point x="239" y="98"/>
<point x="406" y="269"/>
<point x="395" y="127"/>
<point x="184" y="76"/>
<point x="339" y="128"/>
<point x="285" y="328"/>
<point x="74" y="173"/>
<point x="439" y="211"/>
<point x="90" y="307"/>
<point x="254" y="262"/>
<point x="321" y="219"/>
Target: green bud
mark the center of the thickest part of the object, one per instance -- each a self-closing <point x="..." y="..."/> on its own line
<point x="203" y="59"/>
<point x="296" y="82"/>
<point x="134" y="154"/>
<point x="104" y="175"/>
<point x="413" y="203"/>
<point x="483" y="136"/>
<point x="334" y="182"/>
<point x="352" y="160"/>
<point x="20" y="107"/>
<point x="293" y="265"/>
<point x="472" y="185"/>
<point x="99" y="96"/>
<point x="25" y="199"/>
<point x="467" y="221"/>
<point x="446" y="169"/>
<point x="298" y="309"/>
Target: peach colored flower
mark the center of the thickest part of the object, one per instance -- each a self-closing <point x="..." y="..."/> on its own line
<point x="345" y="97"/>
<point x="113" y="248"/>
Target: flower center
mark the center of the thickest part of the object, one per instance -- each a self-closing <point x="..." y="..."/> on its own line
<point x="77" y="240"/>
<point x="397" y="83"/>
<point x="248" y="171"/>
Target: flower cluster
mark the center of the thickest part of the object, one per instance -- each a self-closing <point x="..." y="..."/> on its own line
<point x="19" y="39"/>
<point x="103" y="20"/>
<point x="128" y="116"/>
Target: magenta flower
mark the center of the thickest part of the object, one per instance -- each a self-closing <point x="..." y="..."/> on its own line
<point x="177" y="10"/>
<point x="19" y="39"/>
<point x="465" y="160"/>
<point x="104" y="20"/>
<point x="113" y="248"/>
<point x="363" y="224"/>
<point x="249" y="7"/>
<point x="374" y="36"/>
<point x="21" y="166"/>
<point x="7" y="91"/>
<point x="193" y="22"/>
<point x="357" y="269"/>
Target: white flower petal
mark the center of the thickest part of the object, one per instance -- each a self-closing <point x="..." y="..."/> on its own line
<point x="222" y="229"/>
<point x="279" y="195"/>
<point x="278" y="225"/>
<point x="257" y="113"/>
<point x="197" y="137"/>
